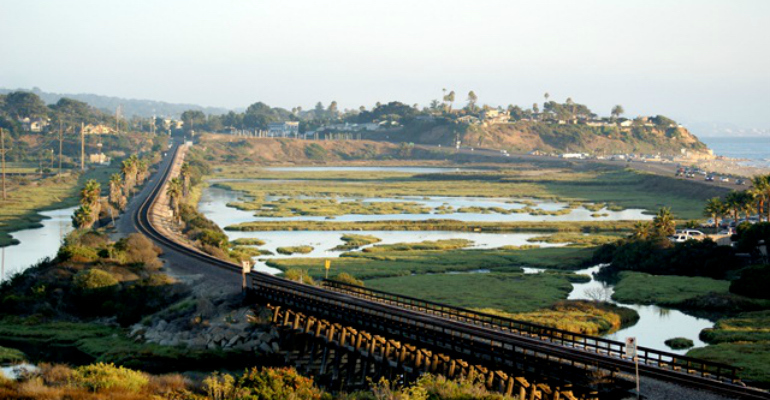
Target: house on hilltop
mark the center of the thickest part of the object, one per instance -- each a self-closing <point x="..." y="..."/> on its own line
<point x="98" y="129"/>
<point x="493" y="116"/>
<point x="283" y="129"/>
<point x="34" y="124"/>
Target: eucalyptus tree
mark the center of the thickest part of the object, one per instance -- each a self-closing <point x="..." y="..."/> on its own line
<point x="617" y="111"/>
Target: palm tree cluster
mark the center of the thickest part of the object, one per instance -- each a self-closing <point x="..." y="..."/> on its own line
<point x="90" y="198"/>
<point x="742" y="203"/>
<point x="662" y="226"/>
<point x="178" y="189"/>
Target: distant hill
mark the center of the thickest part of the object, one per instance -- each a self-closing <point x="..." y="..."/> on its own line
<point x="131" y="107"/>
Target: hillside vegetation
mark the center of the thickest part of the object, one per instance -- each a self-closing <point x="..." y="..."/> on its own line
<point x="525" y="136"/>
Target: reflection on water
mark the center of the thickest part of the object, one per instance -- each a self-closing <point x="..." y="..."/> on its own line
<point x="656" y="324"/>
<point x="37" y="243"/>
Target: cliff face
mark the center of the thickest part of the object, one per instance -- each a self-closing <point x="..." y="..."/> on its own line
<point x="528" y="136"/>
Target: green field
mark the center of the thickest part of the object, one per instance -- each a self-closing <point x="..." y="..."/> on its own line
<point x="377" y="264"/>
<point x="640" y="288"/>
<point x="743" y="341"/>
<point x="508" y="292"/>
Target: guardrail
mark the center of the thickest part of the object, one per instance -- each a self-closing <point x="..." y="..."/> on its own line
<point x="593" y="344"/>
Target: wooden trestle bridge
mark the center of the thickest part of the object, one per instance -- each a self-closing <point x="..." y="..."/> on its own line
<point x="344" y="334"/>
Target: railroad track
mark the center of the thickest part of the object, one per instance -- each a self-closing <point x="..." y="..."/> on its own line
<point x="489" y="341"/>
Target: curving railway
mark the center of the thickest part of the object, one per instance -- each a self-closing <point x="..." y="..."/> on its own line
<point x="490" y="340"/>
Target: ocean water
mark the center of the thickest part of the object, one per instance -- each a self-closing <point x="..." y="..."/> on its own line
<point x="754" y="150"/>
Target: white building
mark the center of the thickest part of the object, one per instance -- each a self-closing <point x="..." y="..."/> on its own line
<point x="283" y="129"/>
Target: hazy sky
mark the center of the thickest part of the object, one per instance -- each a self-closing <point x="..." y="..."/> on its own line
<point x="693" y="60"/>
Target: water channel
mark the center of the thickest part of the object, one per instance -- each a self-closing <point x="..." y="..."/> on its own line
<point x="655" y="326"/>
<point x="36" y="243"/>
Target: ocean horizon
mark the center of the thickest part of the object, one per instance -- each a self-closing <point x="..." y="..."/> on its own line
<point x="752" y="151"/>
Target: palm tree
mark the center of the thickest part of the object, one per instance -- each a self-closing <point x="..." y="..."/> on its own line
<point x="642" y="230"/>
<point x="90" y="196"/>
<point x="664" y="223"/>
<point x="450" y="98"/>
<point x="82" y="219"/>
<point x="748" y="199"/>
<point x="733" y="203"/>
<point x="472" y="99"/>
<point x="174" y="193"/>
<point x="116" y="189"/>
<point x="715" y="208"/>
<point x="185" y="172"/>
<point x="761" y="188"/>
<point x="129" y="168"/>
<point x="142" y="169"/>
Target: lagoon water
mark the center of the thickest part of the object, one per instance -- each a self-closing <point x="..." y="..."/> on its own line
<point x="37" y="243"/>
<point x="214" y="205"/>
<point x="655" y="325"/>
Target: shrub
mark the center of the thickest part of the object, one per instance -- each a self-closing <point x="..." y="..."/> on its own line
<point x="92" y="279"/>
<point x="314" y="151"/>
<point x="77" y="253"/>
<point x="276" y="383"/>
<point x="219" y="386"/>
<point x="679" y="343"/>
<point x="299" y="275"/>
<point x="289" y="250"/>
<point x="753" y="282"/>
<point x="55" y="374"/>
<point x="350" y="279"/>
<point x="10" y="355"/>
<point x="140" y="250"/>
<point x="247" y="242"/>
<point x="102" y="376"/>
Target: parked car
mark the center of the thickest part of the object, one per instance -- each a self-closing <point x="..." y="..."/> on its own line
<point x="691" y="232"/>
<point x="680" y="238"/>
<point x="740" y="182"/>
<point x="709" y="178"/>
<point x="725" y="179"/>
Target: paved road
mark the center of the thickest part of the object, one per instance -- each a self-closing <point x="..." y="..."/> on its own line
<point x="657" y="168"/>
<point x="178" y="265"/>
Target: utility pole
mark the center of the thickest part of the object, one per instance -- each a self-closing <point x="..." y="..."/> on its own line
<point x="82" y="147"/>
<point x="60" y="146"/>
<point x="2" y="154"/>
